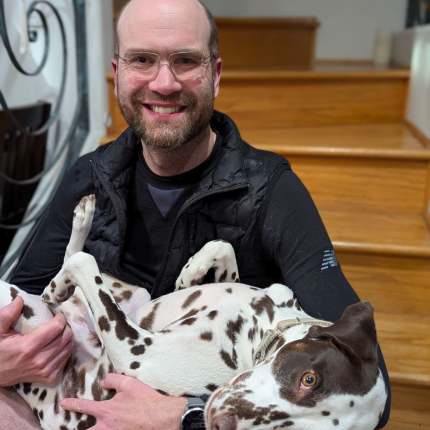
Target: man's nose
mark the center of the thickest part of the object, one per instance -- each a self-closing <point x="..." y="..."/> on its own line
<point x="165" y="82"/>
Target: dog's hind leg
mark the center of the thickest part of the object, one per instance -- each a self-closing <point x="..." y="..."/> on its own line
<point x="82" y="219"/>
<point x="117" y="332"/>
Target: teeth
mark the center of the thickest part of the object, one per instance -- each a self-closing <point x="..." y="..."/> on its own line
<point x="159" y="109"/>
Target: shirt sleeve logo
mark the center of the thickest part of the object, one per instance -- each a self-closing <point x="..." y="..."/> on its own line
<point x="329" y="260"/>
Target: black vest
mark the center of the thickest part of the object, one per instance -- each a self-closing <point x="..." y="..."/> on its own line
<point x="230" y="204"/>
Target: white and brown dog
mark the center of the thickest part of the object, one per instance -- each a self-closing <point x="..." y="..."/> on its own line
<point x="264" y="362"/>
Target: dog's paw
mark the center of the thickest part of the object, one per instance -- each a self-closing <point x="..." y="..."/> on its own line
<point x="58" y="292"/>
<point x="83" y="215"/>
<point x="217" y="255"/>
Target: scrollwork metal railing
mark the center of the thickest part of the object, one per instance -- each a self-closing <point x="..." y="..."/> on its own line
<point x="79" y="128"/>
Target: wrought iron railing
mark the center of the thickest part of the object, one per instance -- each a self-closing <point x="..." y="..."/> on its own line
<point x="79" y="128"/>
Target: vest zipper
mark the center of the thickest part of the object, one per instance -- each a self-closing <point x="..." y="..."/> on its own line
<point x="186" y="205"/>
<point x="192" y="235"/>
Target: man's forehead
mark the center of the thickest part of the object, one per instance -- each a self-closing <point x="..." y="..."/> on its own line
<point x="146" y="22"/>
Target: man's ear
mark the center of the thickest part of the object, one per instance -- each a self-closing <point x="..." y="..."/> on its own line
<point x="217" y="75"/>
<point x="354" y="334"/>
<point x="114" y="63"/>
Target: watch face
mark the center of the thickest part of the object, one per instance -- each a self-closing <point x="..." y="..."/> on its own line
<point x="193" y="419"/>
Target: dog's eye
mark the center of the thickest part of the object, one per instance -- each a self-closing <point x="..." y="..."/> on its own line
<point x="308" y="381"/>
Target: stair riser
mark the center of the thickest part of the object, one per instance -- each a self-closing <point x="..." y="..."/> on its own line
<point x="289" y="103"/>
<point x="394" y="285"/>
<point x="409" y="409"/>
<point x="360" y="185"/>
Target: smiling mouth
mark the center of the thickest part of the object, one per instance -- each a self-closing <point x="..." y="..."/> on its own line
<point x="165" y="110"/>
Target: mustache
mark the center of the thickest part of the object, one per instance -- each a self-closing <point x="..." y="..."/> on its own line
<point x="171" y="98"/>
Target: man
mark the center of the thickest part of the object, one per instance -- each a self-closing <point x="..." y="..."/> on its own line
<point x="178" y="178"/>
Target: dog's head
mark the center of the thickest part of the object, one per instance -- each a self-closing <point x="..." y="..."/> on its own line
<point x="326" y="380"/>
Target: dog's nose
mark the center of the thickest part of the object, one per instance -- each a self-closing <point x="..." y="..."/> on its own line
<point x="225" y="423"/>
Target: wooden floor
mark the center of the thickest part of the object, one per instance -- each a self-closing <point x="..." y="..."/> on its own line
<point x="342" y="129"/>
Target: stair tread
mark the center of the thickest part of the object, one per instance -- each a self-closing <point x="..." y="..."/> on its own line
<point x="378" y="233"/>
<point x="405" y="343"/>
<point x="367" y="140"/>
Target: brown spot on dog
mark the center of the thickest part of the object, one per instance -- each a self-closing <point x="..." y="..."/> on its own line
<point x="42" y="395"/>
<point x="162" y="392"/>
<point x="104" y="323"/>
<point x="89" y="422"/>
<point x="67" y="416"/>
<point x="234" y="328"/>
<point x="134" y="365"/>
<point x="351" y="403"/>
<point x="325" y="413"/>
<point x="13" y="293"/>
<point x="265" y="303"/>
<point x="206" y="335"/>
<point x="233" y="275"/>
<point x="64" y="428"/>
<point x="284" y="424"/>
<point x="229" y="290"/>
<point x="56" y="406"/>
<point x="27" y="387"/>
<point x="138" y="350"/>
<point x="123" y="329"/>
<point x="290" y="303"/>
<point x="35" y="391"/>
<point x="223" y="276"/>
<point x="117" y="299"/>
<point x="229" y="360"/>
<point x="146" y="322"/>
<point x="148" y="341"/>
<point x="212" y="387"/>
<point x="27" y="312"/>
<point x="126" y="295"/>
<point x="98" y="280"/>
<point x="336" y="422"/>
<point x="191" y="313"/>
<point x="94" y="340"/>
<point x="212" y="315"/>
<point x="117" y="285"/>
<point x="189" y="321"/>
<point x="191" y="299"/>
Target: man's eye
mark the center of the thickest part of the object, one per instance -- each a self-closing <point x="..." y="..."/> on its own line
<point x="186" y="61"/>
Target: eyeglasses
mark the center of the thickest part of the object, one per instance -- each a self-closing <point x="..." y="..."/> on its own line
<point x="183" y="65"/>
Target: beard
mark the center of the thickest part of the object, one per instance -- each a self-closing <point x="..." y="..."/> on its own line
<point x="169" y="134"/>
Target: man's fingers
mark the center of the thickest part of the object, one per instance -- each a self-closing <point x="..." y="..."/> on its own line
<point x="114" y="381"/>
<point x="9" y="313"/>
<point x="48" y="331"/>
<point x="60" y="360"/>
<point x="84" y="406"/>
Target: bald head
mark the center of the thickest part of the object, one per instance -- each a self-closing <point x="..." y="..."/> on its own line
<point x="161" y="12"/>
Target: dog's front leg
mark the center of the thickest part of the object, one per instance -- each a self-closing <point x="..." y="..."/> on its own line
<point x="82" y="219"/>
<point x="218" y="255"/>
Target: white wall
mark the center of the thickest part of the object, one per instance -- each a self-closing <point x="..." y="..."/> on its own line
<point x="347" y="26"/>
<point x="418" y="112"/>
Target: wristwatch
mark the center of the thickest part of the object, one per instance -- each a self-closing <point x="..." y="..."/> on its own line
<point x="193" y="417"/>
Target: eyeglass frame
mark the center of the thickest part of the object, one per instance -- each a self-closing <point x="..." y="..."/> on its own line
<point x="211" y="56"/>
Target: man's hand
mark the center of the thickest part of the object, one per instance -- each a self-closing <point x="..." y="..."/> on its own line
<point x="134" y="407"/>
<point x="35" y="357"/>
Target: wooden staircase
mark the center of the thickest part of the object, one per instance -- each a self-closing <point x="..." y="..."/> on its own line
<point x="368" y="172"/>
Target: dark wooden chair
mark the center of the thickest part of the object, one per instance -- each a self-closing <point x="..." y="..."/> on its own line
<point x="21" y="157"/>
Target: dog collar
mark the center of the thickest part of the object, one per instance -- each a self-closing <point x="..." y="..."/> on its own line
<point x="268" y="344"/>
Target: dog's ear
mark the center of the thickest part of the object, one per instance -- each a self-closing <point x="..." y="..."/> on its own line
<point x="354" y="334"/>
